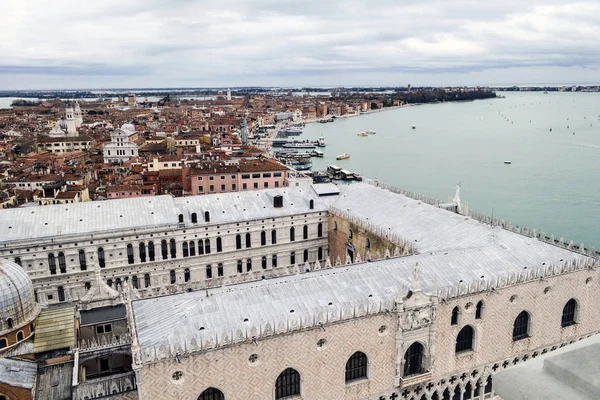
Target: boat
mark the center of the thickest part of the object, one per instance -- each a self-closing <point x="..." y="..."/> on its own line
<point x="289" y="131"/>
<point x="362" y="134"/>
<point x="316" y="153"/>
<point x="507" y="162"/>
<point x="370" y="132"/>
<point x="343" y="156"/>
<point x="321" y="142"/>
<point x="414" y="127"/>
<point x="300" y="145"/>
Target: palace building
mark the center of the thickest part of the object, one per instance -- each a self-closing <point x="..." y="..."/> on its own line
<point x="314" y="292"/>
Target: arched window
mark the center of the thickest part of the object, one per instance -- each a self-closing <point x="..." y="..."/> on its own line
<point x="521" y="326"/>
<point x="248" y="240"/>
<point x="320" y="253"/>
<point x="274" y="261"/>
<point x="173" y="248"/>
<point x="82" y="260"/>
<point x="287" y="384"/>
<point x="208" y="271"/>
<point x="18" y="261"/>
<point x="240" y="266"/>
<point x="305" y="232"/>
<point x="263" y="238"/>
<point x="311" y="204"/>
<point x="413" y="359"/>
<point x="147" y="280"/>
<point x="368" y="244"/>
<point x="273" y="236"/>
<point x="212" y="394"/>
<point x="101" y="261"/>
<point x="219" y="245"/>
<point x="238" y="241"/>
<point x="206" y="216"/>
<point x="569" y="314"/>
<point x="249" y="265"/>
<point x="142" y="251"/>
<point x="320" y="230"/>
<point x="186" y="275"/>
<point x="305" y="255"/>
<point x="19" y="336"/>
<point x="61" y="293"/>
<point x="62" y="263"/>
<point x="173" y="276"/>
<point x="151" y="251"/>
<point x="263" y="262"/>
<point x="350" y="234"/>
<point x="206" y="246"/>
<point x="129" y="254"/>
<point x="9" y="323"/>
<point x="186" y="252"/>
<point x="292" y="234"/>
<point x="335" y="226"/>
<point x="134" y="281"/>
<point x="118" y="283"/>
<point x="356" y="366"/>
<point x="479" y="310"/>
<point x="180" y="218"/>
<point x="163" y="248"/>
<point x="464" y="340"/>
<point x="109" y="282"/>
<point x="88" y="285"/>
<point x="455" y="313"/>
<point x="194" y="218"/>
<point x="219" y="269"/>
<point x="3" y="343"/>
<point x="293" y="258"/>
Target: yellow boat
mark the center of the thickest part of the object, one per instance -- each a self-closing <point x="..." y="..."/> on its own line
<point x="343" y="156"/>
<point x="362" y="134"/>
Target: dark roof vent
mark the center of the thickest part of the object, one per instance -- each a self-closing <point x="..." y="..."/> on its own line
<point x="278" y="201"/>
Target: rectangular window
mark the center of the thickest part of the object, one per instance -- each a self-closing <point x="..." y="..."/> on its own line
<point x="222" y="177"/>
<point x="255" y="185"/>
<point x="245" y="176"/>
<point x="276" y="184"/>
<point x="266" y="185"/>
<point x="267" y="175"/>
<point x="223" y="188"/>
<point x="232" y="176"/>
<point x="212" y="188"/>
<point x="201" y="189"/>
<point x="244" y="186"/>
<point x="256" y="176"/>
<point x="233" y="187"/>
<point x="211" y="178"/>
<point x="277" y="174"/>
<point x="208" y="272"/>
<point x="105" y="328"/>
<point x="199" y="178"/>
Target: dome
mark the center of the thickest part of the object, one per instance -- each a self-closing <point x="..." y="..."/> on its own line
<point x="62" y="123"/>
<point x="17" y="299"/>
<point x="128" y="127"/>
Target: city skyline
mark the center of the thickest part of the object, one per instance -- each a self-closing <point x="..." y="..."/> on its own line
<point x="292" y="44"/>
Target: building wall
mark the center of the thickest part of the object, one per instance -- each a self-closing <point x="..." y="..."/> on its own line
<point x="261" y="180"/>
<point x="15" y="393"/>
<point x="11" y="337"/>
<point x="322" y="369"/>
<point x="201" y="184"/>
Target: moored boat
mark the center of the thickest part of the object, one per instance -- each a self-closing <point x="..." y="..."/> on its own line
<point x="343" y="156"/>
<point x="321" y="142"/>
<point x="370" y="132"/>
<point x="362" y="134"/>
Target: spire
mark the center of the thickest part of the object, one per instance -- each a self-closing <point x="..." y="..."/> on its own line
<point x="415" y="285"/>
<point x="244" y="131"/>
<point x="456" y="199"/>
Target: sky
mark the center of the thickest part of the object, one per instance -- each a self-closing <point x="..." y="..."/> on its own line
<point x="194" y="43"/>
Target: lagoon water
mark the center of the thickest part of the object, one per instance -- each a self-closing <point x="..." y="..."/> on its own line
<point x="553" y="183"/>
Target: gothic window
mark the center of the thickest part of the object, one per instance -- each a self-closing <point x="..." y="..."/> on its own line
<point x="569" y="313"/>
<point x="173" y="248"/>
<point x="413" y="359"/>
<point x="19" y="336"/>
<point x="180" y="218"/>
<point x="455" y="314"/>
<point x="151" y="251"/>
<point x="219" y="245"/>
<point x="163" y="248"/>
<point x="134" y="281"/>
<point x="479" y="310"/>
<point x="200" y="247"/>
<point x="238" y="241"/>
<point x="356" y="366"/>
<point x="464" y="340"/>
<point x="305" y="232"/>
<point x="240" y="266"/>
<point x="263" y="238"/>
<point x="292" y="234"/>
<point x="305" y="255"/>
<point x="3" y="343"/>
<point x="521" y="326"/>
<point x="129" y="254"/>
<point x="142" y="251"/>
<point x="18" y="261"/>
<point x="273" y="236"/>
<point x="186" y="252"/>
<point x="206" y="246"/>
<point x="293" y="258"/>
<point x="274" y="261"/>
<point x="320" y="230"/>
<point x="212" y="394"/>
<point x="186" y="275"/>
<point x="249" y="265"/>
<point x="287" y="384"/>
<point x="311" y="204"/>
<point x="62" y="263"/>
<point x="320" y="253"/>
<point x="147" y="280"/>
<point x="173" y="276"/>
<point x="208" y="271"/>
<point x="101" y="261"/>
<point x="61" y="293"/>
<point x="192" y="248"/>
<point x="52" y="263"/>
<point x="219" y="269"/>
<point x="194" y="218"/>
<point x="82" y="260"/>
<point x="248" y="240"/>
<point x="206" y="216"/>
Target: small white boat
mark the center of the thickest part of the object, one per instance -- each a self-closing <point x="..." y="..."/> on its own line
<point x="370" y="132"/>
<point x="507" y="162"/>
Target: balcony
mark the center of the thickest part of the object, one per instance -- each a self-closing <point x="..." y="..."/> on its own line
<point x="415" y="379"/>
<point x="105" y="386"/>
<point x="104" y="342"/>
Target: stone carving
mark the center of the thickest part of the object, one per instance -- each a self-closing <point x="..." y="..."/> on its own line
<point x="415" y="319"/>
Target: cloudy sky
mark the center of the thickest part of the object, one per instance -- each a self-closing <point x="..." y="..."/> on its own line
<point x="195" y="43"/>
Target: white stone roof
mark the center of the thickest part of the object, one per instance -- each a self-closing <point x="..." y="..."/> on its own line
<point x="18" y="373"/>
<point x="34" y="223"/>
<point x="17" y="298"/>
